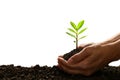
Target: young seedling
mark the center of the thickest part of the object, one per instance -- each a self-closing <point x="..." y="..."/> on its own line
<point x="76" y="30"/>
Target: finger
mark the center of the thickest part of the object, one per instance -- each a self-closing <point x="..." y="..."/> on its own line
<point x="73" y="70"/>
<point x="96" y="62"/>
<point x="64" y="66"/>
<point x="61" y="61"/>
<point x="90" y="63"/>
<point x="58" y="64"/>
<point x="94" y="58"/>
<point x="78" y="57"/>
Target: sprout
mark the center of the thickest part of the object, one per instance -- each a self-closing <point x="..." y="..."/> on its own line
<point x="76" y="30"/>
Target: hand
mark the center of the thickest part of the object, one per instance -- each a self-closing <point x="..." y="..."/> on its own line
<point x="89" y="60"/>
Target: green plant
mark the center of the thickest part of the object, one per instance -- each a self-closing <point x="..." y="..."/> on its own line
<point x="76" y="30"/>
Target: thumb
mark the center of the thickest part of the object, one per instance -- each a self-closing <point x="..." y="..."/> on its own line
<point x="78" y="57"/>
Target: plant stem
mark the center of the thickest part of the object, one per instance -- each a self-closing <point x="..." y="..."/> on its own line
<point x="76" y="40"/>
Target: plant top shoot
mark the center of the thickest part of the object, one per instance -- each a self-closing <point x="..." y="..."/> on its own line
<point x="76" y="30"/>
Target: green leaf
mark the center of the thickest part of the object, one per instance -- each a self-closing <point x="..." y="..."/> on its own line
<point x="82" y="37"/>
<point x="73" y="25"/>
<point x="81" y="31"/>
<point x="80" y="24"/>
<point x="70" y="34"/>
<point x="72" y="30"/>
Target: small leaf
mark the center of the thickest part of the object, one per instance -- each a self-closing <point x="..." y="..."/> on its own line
<point x="81" y="31"/>
<point x="70" y="34"/>
<point x="80" y="24"/>
<point x="73" y="25"/>
<point x="71" y="30"/>
<point x="82" y="37"/>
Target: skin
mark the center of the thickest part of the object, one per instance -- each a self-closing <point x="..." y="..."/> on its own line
<point x="92" y="57"/>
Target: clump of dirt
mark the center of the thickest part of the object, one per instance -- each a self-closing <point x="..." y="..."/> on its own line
<point x="11" y="72"/>
<point x="71" y="53"/>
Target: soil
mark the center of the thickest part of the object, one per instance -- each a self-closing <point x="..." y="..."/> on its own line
<point x="71" y="53"/>
<point x="11" y="72"/>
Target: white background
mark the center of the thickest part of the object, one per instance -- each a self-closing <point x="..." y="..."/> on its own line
<point x="33" y="31"/>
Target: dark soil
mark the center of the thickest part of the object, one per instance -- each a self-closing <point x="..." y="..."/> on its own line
<point x="71" y="53"/>
<point x="11" y="72"/>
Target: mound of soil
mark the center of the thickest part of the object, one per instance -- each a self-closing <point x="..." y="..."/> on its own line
<point x="11" y="72"/>
<point x="71" y="53"/>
